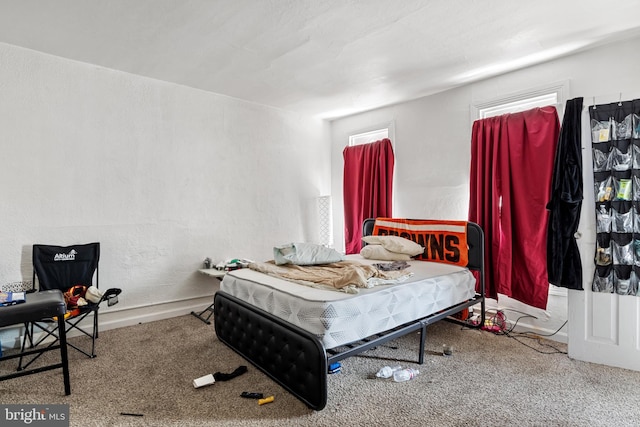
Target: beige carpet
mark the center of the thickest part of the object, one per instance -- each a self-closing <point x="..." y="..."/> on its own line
<point x="490" y="380"/>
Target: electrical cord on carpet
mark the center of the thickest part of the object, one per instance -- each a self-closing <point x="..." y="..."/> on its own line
<point x="498" y="325"/>
<point x="538" y="337"/>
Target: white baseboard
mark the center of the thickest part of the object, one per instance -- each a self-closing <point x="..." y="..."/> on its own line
<point x="544" y="323"/>
<point x="560" y="336"/>
<point x="133" y="316"/>
<point x="11" y="337"/>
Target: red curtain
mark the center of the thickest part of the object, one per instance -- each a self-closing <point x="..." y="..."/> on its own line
<point x="512" y="159"/>
<point x="368" y="182"/>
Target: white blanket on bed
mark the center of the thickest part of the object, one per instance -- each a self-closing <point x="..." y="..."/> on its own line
<point x="345" y="276"/>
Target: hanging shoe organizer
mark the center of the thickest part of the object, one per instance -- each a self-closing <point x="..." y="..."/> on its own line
<point x="615" y="136"/>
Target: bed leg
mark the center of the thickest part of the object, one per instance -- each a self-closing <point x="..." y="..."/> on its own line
<point x="423" y="337"/>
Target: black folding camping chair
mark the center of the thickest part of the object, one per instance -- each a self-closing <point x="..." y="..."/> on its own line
<point x="63" y="268"/>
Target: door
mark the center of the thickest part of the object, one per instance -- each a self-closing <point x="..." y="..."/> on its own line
<point x="602" y="328"/>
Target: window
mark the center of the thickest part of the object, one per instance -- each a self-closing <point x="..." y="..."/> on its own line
<point x="367" y="137"/>
<point x="520" y="105"/>
<point x="550" y="95"/>
<point x="369" y="157"/>
<point x="373" y="133"/>
<point x="554" y="94"/>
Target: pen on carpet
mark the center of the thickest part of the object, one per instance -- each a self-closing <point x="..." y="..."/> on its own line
<point x="131" y="414"/>
<point x="265" y="400"/>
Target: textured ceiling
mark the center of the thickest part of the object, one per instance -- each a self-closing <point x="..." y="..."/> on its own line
<point x="326" y="58"/>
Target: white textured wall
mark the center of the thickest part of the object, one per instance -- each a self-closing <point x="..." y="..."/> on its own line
<point x="433" y="142"/>
<point x="162" y="175"/>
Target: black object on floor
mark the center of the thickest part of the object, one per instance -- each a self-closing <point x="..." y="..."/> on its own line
<point x="219" y="376"/>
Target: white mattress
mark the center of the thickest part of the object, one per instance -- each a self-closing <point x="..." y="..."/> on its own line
<point x="338" y="318"/>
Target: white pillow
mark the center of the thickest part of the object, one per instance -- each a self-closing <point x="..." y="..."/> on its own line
<point x="380" y="253"/>
<point x="395" y="244"/>
<point x="305" y="254"/>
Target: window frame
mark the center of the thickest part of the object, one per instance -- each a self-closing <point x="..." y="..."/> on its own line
<point x="481" y="110"/>
<point x="560" y="89"/>
<point x="389" y="126"/>
<point x="391" y="132"/>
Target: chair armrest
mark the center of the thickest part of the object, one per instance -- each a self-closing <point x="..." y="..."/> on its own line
<point x="110" y="295"/>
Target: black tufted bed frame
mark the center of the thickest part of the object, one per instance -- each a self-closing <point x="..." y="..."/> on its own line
<point x="295" y="358"/>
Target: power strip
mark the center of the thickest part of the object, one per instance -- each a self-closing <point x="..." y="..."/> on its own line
<point x="495" y="324"/>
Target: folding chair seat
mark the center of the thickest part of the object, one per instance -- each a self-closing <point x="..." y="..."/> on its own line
<point x="36" y="306"/>
<point x="68" y="269"/>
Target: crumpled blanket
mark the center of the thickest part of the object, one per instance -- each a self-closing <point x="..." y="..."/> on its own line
<point x="346" y="276"/>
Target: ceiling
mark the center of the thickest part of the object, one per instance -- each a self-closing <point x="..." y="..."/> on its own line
<point x="326" y="58"/>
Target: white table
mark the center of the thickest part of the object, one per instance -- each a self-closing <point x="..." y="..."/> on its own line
<point x="218" y="274"/>
<point x="213" y="272"/>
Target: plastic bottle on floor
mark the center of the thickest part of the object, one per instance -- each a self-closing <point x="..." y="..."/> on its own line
<point x="387" y="371"/>
<point x="405" y="374"/>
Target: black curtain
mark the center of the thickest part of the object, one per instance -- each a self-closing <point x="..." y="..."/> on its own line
<point x="563" y="257"/>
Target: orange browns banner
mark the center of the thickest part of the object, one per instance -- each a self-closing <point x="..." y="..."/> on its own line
<point x="443" y="241"/>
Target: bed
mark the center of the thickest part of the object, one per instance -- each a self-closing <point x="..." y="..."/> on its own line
<point x="293" y="333"/>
